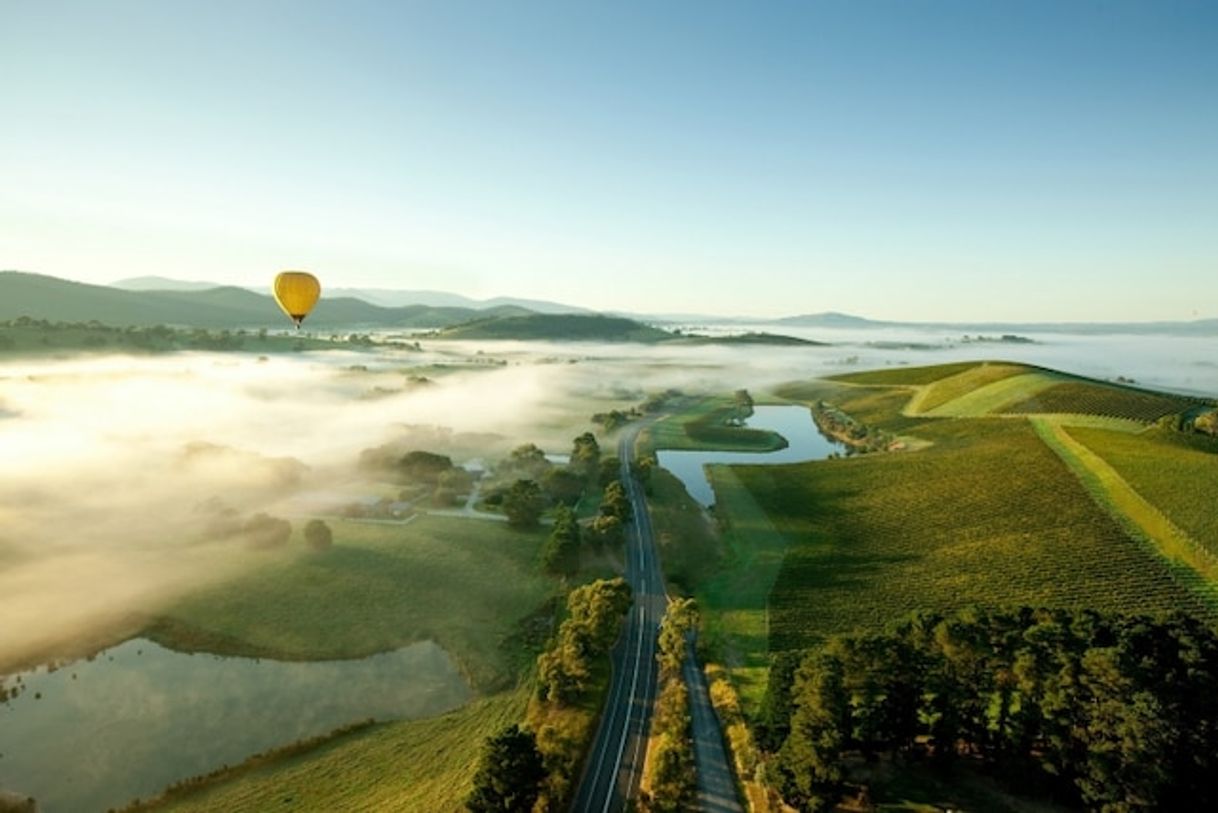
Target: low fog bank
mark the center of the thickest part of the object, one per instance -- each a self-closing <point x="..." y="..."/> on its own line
<point x="125" y="480"/>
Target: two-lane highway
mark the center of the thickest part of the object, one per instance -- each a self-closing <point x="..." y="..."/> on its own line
<point x="615" y="763"/>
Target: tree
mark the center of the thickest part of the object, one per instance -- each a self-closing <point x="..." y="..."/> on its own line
<point x="680" y="619"/>
<point x="526" y="462"/>
<point x="423" y="466"/>
<point x="605" y="532"/>
<point x="809" y="762"/>
<point x="265" y="531"/>
<point x="615" y="503"/>
<point x="1207" y="422"/>
<point x="563" y="485"/>
<point x="610" y="470"/>
<point x="561" y="552"/>
<point x="586" y="456"/>
<point x="509" y="774"/>
<point x="523" y="504"/>
<point x="317" y="534"/>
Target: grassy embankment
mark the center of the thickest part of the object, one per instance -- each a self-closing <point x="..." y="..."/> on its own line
<point x="413" y="765"/>
<point x="702" y="423"/>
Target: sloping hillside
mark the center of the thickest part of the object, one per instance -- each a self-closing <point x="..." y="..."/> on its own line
<point x="58" y="300"/>
<point x="558" y="327"/>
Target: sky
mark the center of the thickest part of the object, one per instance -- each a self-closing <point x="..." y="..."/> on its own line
<point x="901" y="160"/>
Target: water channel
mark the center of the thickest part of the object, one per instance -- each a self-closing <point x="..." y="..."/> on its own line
<point x="804" y="442"/>
<point x="135" y="718"/>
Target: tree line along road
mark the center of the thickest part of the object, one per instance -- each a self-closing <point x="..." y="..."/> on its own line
<point x="614" y="767"/>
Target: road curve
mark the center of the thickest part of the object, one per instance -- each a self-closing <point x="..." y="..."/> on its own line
<point x="615" y="763"/>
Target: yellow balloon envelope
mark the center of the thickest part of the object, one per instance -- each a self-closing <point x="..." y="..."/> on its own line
<point x="297" y="292"/>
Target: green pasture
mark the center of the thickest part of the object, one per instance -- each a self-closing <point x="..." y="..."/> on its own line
<point x="465" y="583"/>
<point x="419" y="765"/>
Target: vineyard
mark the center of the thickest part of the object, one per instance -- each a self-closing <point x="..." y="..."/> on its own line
<point x="987" y="515"/>
<point x="1178" y="473"/>
<point x="949" y="389"/>
<point x="1084" y="398"/>
<point x="906" y="376"/>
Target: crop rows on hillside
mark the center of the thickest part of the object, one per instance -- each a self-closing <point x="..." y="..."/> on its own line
<point x="907" y="376"/>
<point x="1177" y="473"/>
<point x="949" y="389"/>
<point x="1098" y="399"/>
<point x="996" y="520"/>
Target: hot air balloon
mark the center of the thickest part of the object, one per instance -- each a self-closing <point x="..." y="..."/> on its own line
<point x="297" y="292"/>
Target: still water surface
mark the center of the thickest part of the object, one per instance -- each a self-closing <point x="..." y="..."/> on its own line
<point x="97" y="734"/>
<point x="804" y="442"/>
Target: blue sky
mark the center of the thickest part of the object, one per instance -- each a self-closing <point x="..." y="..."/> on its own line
<point x="914" y="160"/>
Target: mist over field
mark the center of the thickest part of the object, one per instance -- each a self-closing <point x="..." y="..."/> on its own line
<point x="120" y="472"/>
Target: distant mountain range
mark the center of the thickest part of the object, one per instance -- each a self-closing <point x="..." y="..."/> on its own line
<point x="1199" y="327"/>
<point x="193" y="305"/>
<point x="43" y="297"/>
<point x="157" y="300"/>
<point x="385" y="297"/>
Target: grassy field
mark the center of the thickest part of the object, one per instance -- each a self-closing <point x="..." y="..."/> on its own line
<point x="690" y="549"/>
<point x="735" y="601"/>
<point x="699" y="424"/>
<point x="1097" y="399"/>
<point x="422" y="765"/>
<point x="464" y="583"/>
<point x="1177" y="473"/>
<point x="983" y="512"/>
<point x="877" y="537"/>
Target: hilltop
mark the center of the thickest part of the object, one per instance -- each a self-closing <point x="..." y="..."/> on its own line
<point x="557" y="327"/>
<point x="58" y="300"/>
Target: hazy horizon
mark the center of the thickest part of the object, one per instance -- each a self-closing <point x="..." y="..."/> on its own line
<point x="899" y="162"/>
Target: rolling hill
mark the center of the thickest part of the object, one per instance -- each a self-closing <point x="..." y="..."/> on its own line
<point x="385" y="297"/>
<point x="43" y="297"/>
<point x="557" y="327"/>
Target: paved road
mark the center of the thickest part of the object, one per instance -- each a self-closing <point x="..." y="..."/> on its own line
<point x="716" y="785"/>
<point x="615" y="763"/>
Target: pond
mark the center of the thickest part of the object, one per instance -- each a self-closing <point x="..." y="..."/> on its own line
<point x="804" y="442"/>
<point x="98" y="733"/>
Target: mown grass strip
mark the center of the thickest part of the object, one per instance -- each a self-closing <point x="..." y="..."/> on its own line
<point x="1139" y="517"/>
<point x="994" y="396"/>
<point x="1175" y="471"/>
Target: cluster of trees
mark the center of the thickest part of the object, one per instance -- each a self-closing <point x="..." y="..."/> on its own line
<point x="510" y="773"/>
<point x="594" y="613"/>
<point x="561" y="553"/>
<point x="1207" y="423"/>
<point x="615" y="419"/>
<point x="672" y="785"/>
<point x="1116" y="713"/>
<point x="528" y="483"/>
<point x="858" y="437"/>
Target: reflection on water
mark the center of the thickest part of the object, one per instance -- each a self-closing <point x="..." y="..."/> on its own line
<point x="96" y="734"/>
<point x="804" y="442"/>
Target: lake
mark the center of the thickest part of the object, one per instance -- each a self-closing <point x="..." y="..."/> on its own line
<point x="804" y="442"/>
<point x="98" y="733"/>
